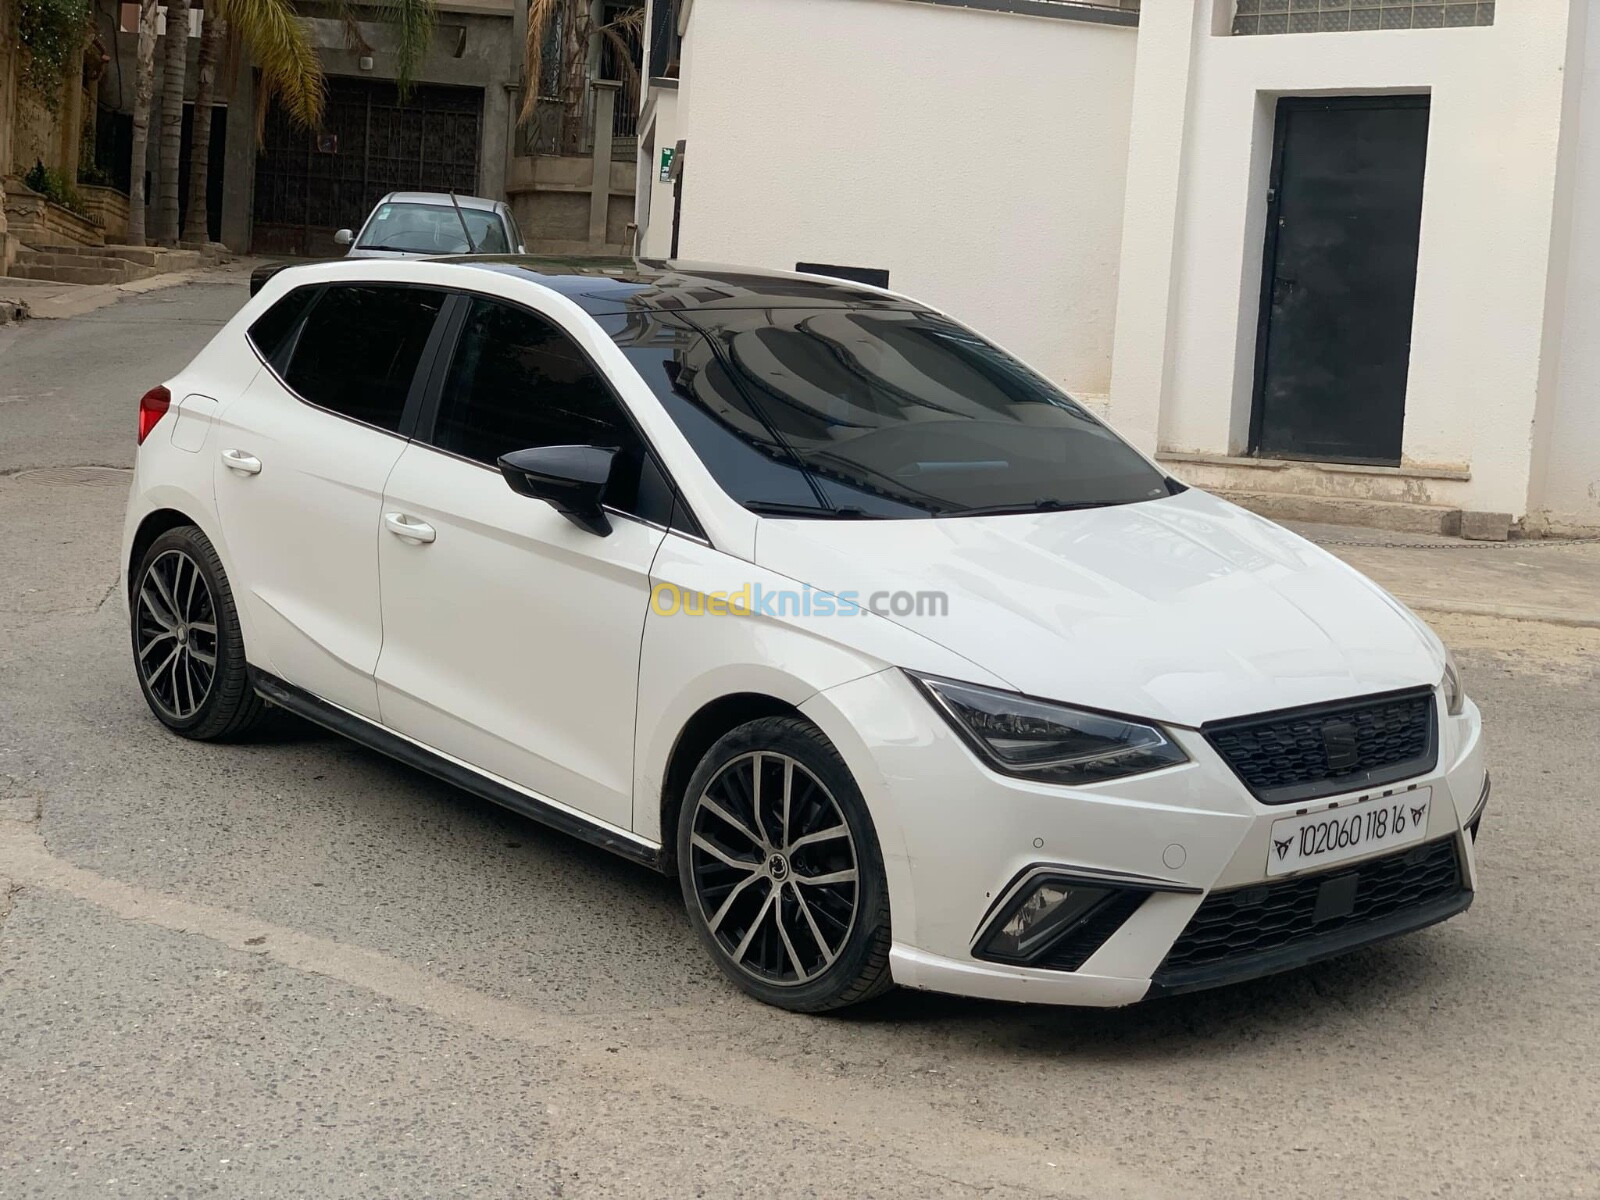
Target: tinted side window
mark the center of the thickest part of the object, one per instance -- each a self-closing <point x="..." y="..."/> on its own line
<point x="360" y="347"/>
<point x="270" y="333"/>
<point x="516" y="381"/>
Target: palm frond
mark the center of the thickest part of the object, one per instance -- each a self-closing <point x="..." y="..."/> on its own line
<point x="414" y="22"/>
<point x="354" y="40"/>
<point x="290" y="69"/>
<point x="616" y="32"/>
<point x="541" y="17"/>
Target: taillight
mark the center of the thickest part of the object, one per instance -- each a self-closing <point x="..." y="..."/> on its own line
<point x="153" y="406"/>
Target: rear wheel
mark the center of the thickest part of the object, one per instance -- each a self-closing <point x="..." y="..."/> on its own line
<point x="187" y="650"/>
<point x="781" y="871"/>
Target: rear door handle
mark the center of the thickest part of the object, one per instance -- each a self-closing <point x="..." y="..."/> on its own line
<point x="238" y="460"/>
<point x="408" y="528"/>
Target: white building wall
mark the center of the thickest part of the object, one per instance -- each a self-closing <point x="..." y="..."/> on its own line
<point x="979" y="157"/>
<point x="1567" y="495"/>
<point x="1197" y="206"/>
<point x="653" y="198"/>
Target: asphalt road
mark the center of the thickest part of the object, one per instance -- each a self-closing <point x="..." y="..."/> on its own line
<point x="297" y="969"/>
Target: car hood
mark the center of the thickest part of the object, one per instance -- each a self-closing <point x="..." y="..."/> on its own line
<point x="1185" y="610"/>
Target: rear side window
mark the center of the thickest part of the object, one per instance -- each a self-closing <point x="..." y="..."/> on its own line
<point x="359" y="349"/>
<point x="270" y="334"/>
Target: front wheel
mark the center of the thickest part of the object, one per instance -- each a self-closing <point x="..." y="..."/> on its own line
<point x="781" y="870"/>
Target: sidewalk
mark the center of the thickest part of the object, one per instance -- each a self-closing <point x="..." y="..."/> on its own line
<point x="48" y="300"/>
<point x="1554" y="581"/>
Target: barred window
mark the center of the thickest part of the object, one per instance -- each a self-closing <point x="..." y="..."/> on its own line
<point x="1340" y="16"/>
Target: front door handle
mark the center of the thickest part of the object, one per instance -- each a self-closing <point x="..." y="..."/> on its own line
<point x="408" y="528"/>
<point x="238" y="460"/>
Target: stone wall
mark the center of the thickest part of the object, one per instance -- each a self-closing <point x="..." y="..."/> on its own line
<point x="35" y="221"/>
<point x="108" y="207"/>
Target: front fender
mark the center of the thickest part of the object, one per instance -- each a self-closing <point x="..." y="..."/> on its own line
<point x="688" y="661"/>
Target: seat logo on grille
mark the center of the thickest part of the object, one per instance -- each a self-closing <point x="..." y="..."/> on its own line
<point x="1339" y="743"/>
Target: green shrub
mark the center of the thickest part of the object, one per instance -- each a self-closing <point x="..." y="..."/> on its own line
<point x="53" y="186"/>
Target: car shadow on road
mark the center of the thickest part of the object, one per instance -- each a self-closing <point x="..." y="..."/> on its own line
<point x="1403" y="976"/>
<point x="1406" y="975"/>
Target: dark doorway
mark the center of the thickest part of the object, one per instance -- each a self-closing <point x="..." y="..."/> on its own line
<point x="1340" y="273"/>
<point x="215" y="156"/>
<point x="311" y="183"/>
<point x="113" y="154"/>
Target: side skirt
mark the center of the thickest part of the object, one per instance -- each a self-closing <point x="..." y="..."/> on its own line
<point x="413" y="754"/>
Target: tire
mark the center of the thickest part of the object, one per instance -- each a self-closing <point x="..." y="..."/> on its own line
<point x="770" y="899"/>
<point x="183" y="613"/>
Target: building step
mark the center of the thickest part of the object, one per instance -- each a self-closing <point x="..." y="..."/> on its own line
<point x="156" y="258"/>
<point x="60" y="274"/>
<point x="1398" y="515"/>
<point x="1426" y="484"/>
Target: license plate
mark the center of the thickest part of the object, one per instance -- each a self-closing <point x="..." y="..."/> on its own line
<point x="1349" y="831"/>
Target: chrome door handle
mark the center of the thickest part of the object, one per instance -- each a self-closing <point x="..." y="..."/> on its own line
<point x="408" y="528"/>
<point x="238" y="460"/>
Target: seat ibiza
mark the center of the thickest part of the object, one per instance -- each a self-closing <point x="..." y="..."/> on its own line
<point x="903" y="662"/>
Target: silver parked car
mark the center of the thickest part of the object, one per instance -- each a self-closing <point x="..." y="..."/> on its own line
<point x="415" y="224"/>
<point x="408" y="224"/>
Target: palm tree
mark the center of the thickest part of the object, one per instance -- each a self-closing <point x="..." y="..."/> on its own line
<point x="143" y="90"/>
<point x="569" y="23"/>
<point x="213" y="33"/>
<point x="174" y="66"/>
<point x="273" y="35"/>
<point x="290" y="71"/>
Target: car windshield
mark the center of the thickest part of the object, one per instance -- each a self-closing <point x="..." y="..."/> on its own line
<point x="433" y="229"/>
<point x="874" y="413"/>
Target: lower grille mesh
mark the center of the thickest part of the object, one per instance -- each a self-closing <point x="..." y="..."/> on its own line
<point x="1248" y="921"/>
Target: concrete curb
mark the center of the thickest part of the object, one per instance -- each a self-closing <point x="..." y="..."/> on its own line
<point x="1505" y="612"/>
<point x="87" y="299"/>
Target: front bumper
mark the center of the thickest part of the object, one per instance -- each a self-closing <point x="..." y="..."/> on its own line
<point x="956" y="838"/>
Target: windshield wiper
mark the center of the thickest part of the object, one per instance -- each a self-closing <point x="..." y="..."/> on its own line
<point x="1034" y="506"/>
<point x="775" y="508"/>
<point x="396" y="249"/>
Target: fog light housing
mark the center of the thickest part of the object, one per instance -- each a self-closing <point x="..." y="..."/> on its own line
<point x="1055" y="922"/>
<point x="1048" y="909"/>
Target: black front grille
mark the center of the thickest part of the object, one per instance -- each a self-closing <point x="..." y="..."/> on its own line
<point x="1303" y="753"/>
<point x="1279" y="920"/>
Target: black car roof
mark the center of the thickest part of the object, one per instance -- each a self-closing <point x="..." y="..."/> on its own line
<point x="646" y="285"/>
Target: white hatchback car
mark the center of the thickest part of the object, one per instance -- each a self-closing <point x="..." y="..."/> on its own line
<point x="907" y="666"/>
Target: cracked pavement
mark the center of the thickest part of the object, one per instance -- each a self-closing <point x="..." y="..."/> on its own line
<point x="297" y="968"/>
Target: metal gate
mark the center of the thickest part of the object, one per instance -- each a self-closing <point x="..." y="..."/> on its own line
<point x="1344" y="214"/>
<point x="312" y="183"/>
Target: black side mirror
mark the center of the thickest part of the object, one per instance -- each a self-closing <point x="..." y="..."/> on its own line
<point x="571" y="478"/>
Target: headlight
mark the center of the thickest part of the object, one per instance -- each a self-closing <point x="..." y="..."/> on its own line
<point x="1034" y="739"/>
<point x="1455" y="696"/>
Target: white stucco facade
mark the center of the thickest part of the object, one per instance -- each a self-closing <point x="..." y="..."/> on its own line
<point x="1567" y="460"/>
<point x="1192" y="258"/>
<point x="1094" y="196"/>
<point x="893" y="135"/>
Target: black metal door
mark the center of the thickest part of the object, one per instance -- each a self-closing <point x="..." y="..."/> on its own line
<point x="1334" y="345"/>
<point x="311" y="183"/>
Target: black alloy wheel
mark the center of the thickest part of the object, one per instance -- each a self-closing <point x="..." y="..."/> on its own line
<point x="187" y="649"/>
<point x="781" y="871"/>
